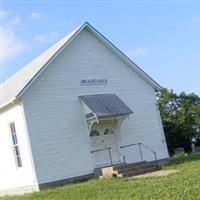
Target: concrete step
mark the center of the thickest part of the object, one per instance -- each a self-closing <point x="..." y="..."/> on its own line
<point x="139" y="171"/>
<point x="128" y="170"/>
<point x="129" y="165"/>
<point x="135" y="168"/>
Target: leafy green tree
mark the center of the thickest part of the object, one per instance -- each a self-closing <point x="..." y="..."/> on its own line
<point x="180" y="115"/>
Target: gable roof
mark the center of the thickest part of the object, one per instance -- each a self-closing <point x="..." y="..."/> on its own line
<point x="20" y="81"/>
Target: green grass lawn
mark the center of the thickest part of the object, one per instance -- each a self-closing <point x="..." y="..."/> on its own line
<point x="182" y="185"/>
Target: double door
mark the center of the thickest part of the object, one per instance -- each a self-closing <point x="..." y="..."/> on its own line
<point x="102" y="137"/>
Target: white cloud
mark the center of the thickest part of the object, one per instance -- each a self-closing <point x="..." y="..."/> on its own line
<point x="14" y="21"/>
<point x="10" y="44"/>
<point x="142" y="51"/>
<point x="35" y="16"/>
<point x="196" y="20"/>
<point x="46" y="37"/>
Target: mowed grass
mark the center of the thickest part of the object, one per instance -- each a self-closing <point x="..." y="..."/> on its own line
<point x="183" y="185"/>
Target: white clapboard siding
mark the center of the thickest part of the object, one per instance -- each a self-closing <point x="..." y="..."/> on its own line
<point x="12" y="177"/>
<point x="58" y="135"/>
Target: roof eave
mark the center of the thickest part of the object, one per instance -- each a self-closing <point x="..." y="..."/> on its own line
<point x="135" y="67"/>
<point x="51" y="59"/>
<point x="5" y="105"/>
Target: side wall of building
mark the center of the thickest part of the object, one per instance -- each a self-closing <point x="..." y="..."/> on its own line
<point x="14" y="179"/>
<point x="58" y="134"/>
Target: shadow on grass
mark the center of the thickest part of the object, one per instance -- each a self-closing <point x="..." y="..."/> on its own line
<point x="184" y="159"/>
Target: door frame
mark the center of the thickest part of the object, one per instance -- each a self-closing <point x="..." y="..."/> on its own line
<point x="114" y="148"/>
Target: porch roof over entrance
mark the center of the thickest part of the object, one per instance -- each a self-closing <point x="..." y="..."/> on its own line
<point x="106" y="105"/>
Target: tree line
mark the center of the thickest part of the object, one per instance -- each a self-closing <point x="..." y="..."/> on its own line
<point x="180" y="115"/>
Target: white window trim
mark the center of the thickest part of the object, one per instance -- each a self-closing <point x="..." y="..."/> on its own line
<point x="16" y="157"/>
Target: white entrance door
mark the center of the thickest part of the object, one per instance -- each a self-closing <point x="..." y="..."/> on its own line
<point x="103" y="137"/>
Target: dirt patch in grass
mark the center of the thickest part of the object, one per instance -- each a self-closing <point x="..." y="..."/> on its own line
<point x="158" y="173"/>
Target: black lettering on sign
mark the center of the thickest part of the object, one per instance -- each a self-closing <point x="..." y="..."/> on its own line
<point x="86" y="82"/>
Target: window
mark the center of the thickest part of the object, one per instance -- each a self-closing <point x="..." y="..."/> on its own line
<point x="15" y="145"/>
<point x="108" y="131"/>
<point x="94" y="133"/>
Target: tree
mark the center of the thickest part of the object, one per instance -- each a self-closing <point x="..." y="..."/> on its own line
<point x="180" y="115"/>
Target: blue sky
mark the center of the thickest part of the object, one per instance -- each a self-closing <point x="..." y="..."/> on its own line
<point x="163" y="38"/>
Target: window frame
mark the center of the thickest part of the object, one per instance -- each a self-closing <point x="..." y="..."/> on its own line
<point x="97" y="133"/>
<point x="15" y="145"/>
<point x="109" y="131"/>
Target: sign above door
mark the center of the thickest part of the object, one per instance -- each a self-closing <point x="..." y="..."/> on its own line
<point x="86" y="82"/>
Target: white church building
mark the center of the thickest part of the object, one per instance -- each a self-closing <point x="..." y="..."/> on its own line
<point x="79" y="106"/>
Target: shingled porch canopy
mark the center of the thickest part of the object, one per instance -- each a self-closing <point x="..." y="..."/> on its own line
<point x="103" y="106"/>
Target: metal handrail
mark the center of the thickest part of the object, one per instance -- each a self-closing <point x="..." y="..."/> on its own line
<point x="140" y="149"/>
<point x="155" y="155"/>
<point x="139" y="144"/>
<point x="121" y="154"/>
<point x="104" y="149"/>
<point x="110" y="155"/>
<point x="124" y="146"/>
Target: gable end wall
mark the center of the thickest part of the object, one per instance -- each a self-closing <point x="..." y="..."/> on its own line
<point x="58" y="136"/>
